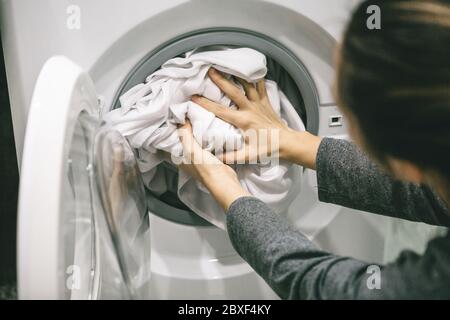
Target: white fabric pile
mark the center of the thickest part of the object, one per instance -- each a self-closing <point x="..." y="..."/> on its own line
<point x="151" y="111"/>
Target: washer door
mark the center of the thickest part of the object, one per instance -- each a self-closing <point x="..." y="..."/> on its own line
<point x="83" y="228"/>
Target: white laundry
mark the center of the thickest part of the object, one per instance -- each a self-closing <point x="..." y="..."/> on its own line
<point x="151" y="111"/>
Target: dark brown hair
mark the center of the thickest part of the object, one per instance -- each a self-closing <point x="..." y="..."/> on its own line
<point x="395" y="81"/>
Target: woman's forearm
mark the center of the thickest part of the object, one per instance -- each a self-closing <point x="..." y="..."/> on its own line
<point x="300" y="148"/>
<point x="224" y="186"/>
<point x="290" y="263"/>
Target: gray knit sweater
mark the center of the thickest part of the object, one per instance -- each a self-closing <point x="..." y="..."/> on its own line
<point x="296" y="269"/>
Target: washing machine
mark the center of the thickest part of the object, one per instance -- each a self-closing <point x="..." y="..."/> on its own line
<point x="87" y="227"/>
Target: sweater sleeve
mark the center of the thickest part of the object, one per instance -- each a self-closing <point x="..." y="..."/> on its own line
<point x="347" y="177"/>
<point x="296" y="269"/>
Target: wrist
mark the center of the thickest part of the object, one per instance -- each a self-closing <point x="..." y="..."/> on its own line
<point x="223" y="184"/>
<point x="299" y="147"/>
<point x="289" y="140"/>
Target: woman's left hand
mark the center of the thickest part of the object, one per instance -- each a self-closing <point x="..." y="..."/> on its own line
<point x="220" y="179"/>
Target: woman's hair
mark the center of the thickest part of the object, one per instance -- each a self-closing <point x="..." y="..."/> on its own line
<point x="395" y="81"/>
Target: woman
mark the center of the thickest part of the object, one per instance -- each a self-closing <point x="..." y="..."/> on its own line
<point x="393" y="86"/>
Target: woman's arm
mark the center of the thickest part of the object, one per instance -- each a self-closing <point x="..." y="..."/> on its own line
<point x="292" y="265"/>
<point x="296" y="269"/>
<point x="347" y="177"/>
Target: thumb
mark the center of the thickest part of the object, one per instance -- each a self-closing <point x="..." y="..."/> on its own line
<point x="191" y="148"/>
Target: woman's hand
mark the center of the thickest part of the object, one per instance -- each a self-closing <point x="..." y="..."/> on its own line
<point x="266" y="135"/>
<point x="217" y="177"/>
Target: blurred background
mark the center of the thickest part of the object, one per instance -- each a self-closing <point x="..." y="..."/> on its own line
<point x="9" y="180"/>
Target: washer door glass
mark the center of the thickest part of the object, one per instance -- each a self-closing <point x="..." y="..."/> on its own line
<point x="126" y="273"/>
<point x="78" y="222"/>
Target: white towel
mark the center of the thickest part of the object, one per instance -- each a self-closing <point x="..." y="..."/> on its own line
<point x="151" y="111"/>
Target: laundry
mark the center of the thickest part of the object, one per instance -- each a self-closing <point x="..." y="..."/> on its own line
<point x="150" y="113"/>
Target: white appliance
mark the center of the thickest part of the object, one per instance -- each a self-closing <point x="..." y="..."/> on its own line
<point x="75" y="239"/>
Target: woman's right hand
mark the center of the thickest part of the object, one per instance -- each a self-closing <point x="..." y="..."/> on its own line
<point x="266" y="135"/>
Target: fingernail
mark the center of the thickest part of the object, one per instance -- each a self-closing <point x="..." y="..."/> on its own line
<point x="214" y="71"/>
